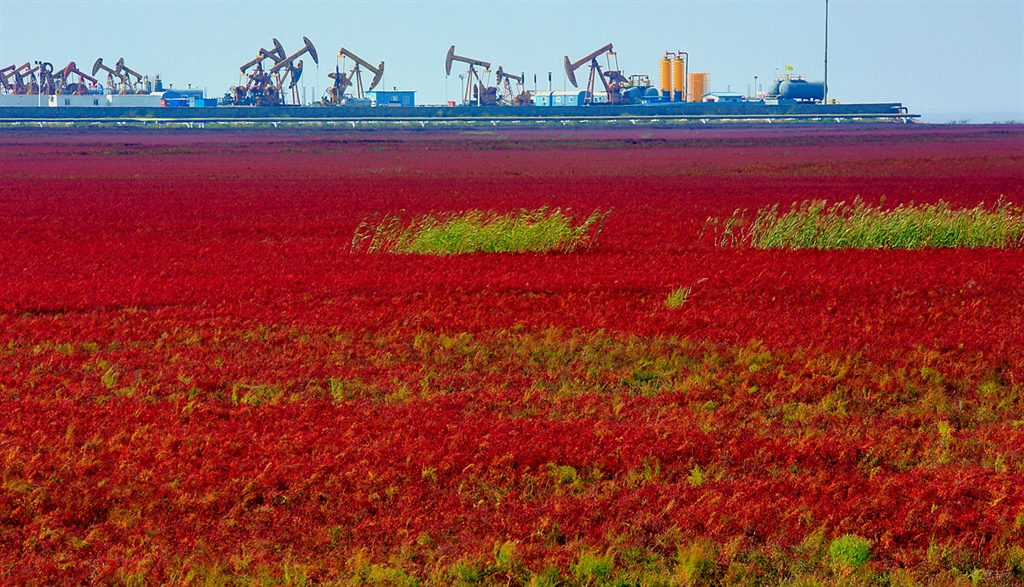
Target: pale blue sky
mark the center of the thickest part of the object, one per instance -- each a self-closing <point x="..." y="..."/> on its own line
<point x="945" y="59"/>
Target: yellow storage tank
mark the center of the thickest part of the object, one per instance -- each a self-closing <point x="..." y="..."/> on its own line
<point x="678" y="79"/>
<point x="665" y="81"/>
<point x="700" y="84"/>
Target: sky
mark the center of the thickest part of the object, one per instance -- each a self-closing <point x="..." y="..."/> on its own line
<point x="949" y="60"/>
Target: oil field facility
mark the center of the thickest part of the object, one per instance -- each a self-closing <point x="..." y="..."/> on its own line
<point x="268" y="89"/>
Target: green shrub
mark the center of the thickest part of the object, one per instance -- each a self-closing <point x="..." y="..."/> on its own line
<point x="563" y="474"/>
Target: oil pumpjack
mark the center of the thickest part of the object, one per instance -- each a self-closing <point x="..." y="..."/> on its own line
<point x="43" y="79"/>
<point x="476" y="89"/>
<point x="119" y="79"/>
<point x="510" y="97"/>
<point x="343" y="81"/>
<point x="12" y="79"/>
<point x="117" y="83"/>
<point x="612" y="79"/>
<point x="63" y="80"/>
<point x="266" y="87"/>
<point x="292" y="69"/>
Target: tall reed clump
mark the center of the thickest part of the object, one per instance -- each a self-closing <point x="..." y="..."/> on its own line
<point x="526" y="231"/>
<point x="813" y="224"/>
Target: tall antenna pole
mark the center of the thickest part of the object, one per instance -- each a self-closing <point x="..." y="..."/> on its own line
<point x="826" y="52"/>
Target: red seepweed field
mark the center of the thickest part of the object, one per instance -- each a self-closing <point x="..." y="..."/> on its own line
<point x="202" y="382"/>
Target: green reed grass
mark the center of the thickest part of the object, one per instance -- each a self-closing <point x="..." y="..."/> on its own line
<point x="813" y="224"/>
<point x="526" y="231"/>
<point x="682" y="295"/>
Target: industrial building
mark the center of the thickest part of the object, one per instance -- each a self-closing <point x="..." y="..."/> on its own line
<point x="567" y="98"/>
<point x="405" y="98"/>
<point x="165" y="99"/>
<point x="722" y="97"/>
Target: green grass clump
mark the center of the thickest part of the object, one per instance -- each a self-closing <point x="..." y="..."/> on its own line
<point x="849" y="552"/>
<point x="814" y="224"/>
<point x="527" y="231"/>
<point x="678" y="296"/>
<point x="592" y="568"/>
<point x="681" y="295"/>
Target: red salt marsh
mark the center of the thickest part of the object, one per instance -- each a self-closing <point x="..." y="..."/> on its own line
<point x="201" y="381"/>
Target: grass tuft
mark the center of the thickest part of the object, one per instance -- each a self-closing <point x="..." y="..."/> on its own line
<point x="813" y="224"/>
<point x="527" y="231"/>
<point x="681" y="295"/>
<point x="849" y="552"/>
<point x="592" y="568"/>
<point x="678" y="296"/>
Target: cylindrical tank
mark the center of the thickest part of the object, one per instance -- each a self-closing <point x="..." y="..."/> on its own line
<point x="632" y="95"/>
<point x="678" y="79"/>
<point x="700" y="84"/>
<point x="665" y="80"/>
<point x="802" y="90"/>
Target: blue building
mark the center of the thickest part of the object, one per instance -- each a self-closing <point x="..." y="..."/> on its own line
<point x="182" y="98"/>
<point x="394" y="97"/>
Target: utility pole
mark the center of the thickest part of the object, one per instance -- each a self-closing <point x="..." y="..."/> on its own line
<point x="826" y="52"/>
